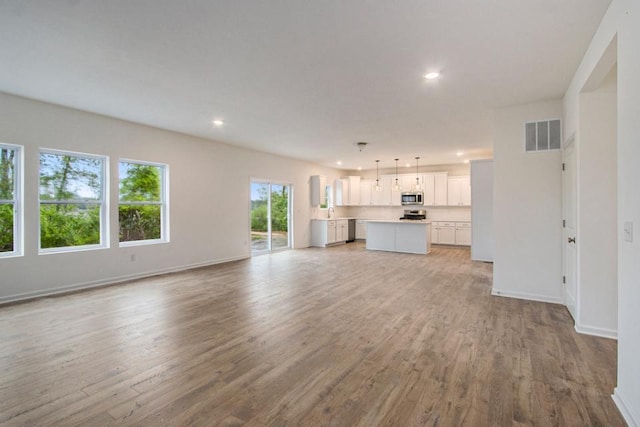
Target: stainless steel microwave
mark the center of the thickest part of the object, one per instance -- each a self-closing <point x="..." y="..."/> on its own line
<point x="412" y="198"/>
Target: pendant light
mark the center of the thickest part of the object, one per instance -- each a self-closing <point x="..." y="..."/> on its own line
<point x="417" y="186"/>
<point x="397" y="186"/>
<point x="378" y="188"/>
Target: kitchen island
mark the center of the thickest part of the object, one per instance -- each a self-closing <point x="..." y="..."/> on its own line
<point x="399" y="236"/>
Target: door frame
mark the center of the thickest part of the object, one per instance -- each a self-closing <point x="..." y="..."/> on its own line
<point x="270" y="182"/>
<point x="572" y="306"/>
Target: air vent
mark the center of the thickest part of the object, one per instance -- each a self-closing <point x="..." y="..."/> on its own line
<point x="542" y="136"/>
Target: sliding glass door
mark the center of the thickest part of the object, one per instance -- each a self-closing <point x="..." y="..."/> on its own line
<point x="270" y="216"/>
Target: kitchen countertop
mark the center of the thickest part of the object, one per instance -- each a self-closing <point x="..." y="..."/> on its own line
<point x="402" y="221"/>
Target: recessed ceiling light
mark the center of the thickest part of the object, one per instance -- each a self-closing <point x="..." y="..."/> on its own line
<point x="466" y="161"/>
<point x="408" y="165"/>
<point x="359" y="168"/>
<point x="218" y="122"/>
<point x="432" y="75"/>
<point x="459" y="153"/>
<point x="339" y="162"/>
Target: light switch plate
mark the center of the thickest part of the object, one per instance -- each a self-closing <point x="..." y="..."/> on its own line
<point x="627" y="231"/>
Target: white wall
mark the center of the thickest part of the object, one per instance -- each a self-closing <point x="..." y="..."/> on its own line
<point x="621" y="20"/>
<point x="597" y="308"/>
<point x="209" y="197"/>
<point x="527" y="208"/>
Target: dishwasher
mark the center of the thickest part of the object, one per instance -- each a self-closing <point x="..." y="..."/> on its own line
<point x="351" y="231"/>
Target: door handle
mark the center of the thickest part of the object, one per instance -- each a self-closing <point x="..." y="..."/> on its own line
<point x="571" y="239"/>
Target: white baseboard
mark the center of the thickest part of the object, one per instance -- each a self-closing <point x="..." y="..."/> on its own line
<point x="625" y="409"/>
<point x="526" y="296"/>
<point x="598" y="332"/>
<point x="111" y="280"/>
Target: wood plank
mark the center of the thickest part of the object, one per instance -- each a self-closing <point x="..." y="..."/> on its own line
<point x="339" y="336"/>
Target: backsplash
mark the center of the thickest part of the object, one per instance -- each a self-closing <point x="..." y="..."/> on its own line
<point x="395" y="212"/>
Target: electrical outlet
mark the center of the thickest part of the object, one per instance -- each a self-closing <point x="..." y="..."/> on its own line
<point x="627" y="231"/>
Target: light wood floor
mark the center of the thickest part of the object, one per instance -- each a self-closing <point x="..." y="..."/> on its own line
<point x="339" y="336"/>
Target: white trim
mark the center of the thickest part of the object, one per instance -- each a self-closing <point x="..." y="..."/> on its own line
<point x="17" y="201"/>
<point x="113" y="280"/>
<point x="527" y="296"/>
<point x="625" y="408"/>
<point x="596" y="332"/>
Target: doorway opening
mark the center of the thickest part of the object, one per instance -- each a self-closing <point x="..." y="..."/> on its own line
<point x="270" y="217"/>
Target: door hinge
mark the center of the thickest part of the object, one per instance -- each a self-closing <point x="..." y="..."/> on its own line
<point x="564" y="279"/>
<point x="564" y="223"/>
<point x="563" y="166"/>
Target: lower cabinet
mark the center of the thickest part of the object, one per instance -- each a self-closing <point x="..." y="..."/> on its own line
<point x="463" y="233"/>
<point x="451" y="233"/>
<point x="328" y="232"/>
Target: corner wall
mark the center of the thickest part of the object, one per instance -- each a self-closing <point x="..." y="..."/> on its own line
<point x="527" y="208"/>
<point x="209" y="197"/>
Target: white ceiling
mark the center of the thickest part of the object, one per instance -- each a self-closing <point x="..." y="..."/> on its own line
<point x="301" y="78"/>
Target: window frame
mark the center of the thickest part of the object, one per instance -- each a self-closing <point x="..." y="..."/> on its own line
<point x="17" y="201"/>
<point x="103" y="202"/>
<point x="164" y="204"/>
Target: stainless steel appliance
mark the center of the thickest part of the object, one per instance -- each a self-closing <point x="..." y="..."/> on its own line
<point x="351" y="231"/>
<point x="414" y="215"/>
<point x="412" y="198"/>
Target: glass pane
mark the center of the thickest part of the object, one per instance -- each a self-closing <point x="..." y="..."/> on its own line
<point x="140" y="183"/>
<point x="139" y="222"/>
<point x="279" y="216"/>
<point x="6" y="228"/>
<point x="64" y="177"/>
<point x="7" y="173"/>
<point x="259" y="216"/>
<point x="69" y="225"/>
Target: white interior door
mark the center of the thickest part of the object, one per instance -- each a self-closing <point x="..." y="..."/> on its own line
<point x="570" y="258"/>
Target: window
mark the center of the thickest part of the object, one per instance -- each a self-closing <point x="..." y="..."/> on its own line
<point x="72" y="201"/>
<point x="142" y="209"/>
<point x="10" y="201"/>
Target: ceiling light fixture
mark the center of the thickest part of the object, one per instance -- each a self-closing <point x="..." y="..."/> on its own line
<point x="361" y="145"/>
<point x="218" y="122"/>
<point x="432" y="75"/>
<point x="339" y="162"/>
<point x="417" y="186"/>
<point x="466" y="161"/>
<point x="459" y="153"/>
<point x="396" y="187"/>
<point x="378" y="188"/>
<point x="359" y="168"/>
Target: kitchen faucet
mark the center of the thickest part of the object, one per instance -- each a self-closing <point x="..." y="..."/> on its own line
<point x="330" y="212"/>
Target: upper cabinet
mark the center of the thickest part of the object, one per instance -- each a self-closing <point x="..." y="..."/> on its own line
<point x="317" y="191"/>
<point x="459" y="191"/>
<point x="348" y="191"/>
<point x="435" y="189"/>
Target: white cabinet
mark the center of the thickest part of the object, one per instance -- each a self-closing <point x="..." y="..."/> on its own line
<point x="318" y="191"/>
<point x="443" y="233"/>
<point x="366" y="192"/>
<point x="463" y="233"/>
<point x="361" y="229"/>
<point x="435" y="189"/>
<point x="459" y="191"/>
<point x="386" y="196"/>
<point x="342" y="230"/>
<point x="451" y="233"/>
<point x="348" y="191"/>
<point x="327" y="232"/>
